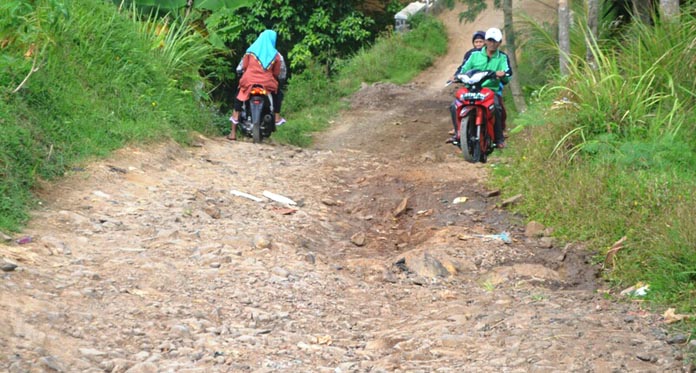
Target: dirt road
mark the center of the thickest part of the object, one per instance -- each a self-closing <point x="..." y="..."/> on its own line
<point x="151" y="261"/>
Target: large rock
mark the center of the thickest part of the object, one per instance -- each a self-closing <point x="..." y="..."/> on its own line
<point x="426" y="265"/>
<point x="534" y="229"/>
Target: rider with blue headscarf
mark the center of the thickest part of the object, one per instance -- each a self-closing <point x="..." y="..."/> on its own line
<point x="261" y="64"/>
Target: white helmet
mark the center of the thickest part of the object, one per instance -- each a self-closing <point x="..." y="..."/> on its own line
<point x="495" y="34"/>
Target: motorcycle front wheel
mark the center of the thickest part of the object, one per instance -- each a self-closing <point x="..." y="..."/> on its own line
<point x="467" y="136"/>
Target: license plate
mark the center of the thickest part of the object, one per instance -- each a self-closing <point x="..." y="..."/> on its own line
<point x="472" y="96"/>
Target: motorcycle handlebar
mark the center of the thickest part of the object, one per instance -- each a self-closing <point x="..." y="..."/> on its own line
<point x="456" y="79"/>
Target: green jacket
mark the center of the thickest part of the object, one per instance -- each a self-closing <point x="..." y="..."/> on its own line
<point x="498" y="62"/>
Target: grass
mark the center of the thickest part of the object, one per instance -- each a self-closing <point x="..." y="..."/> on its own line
<point x="79" y="81"/>
<point x="610" y="151"/>
<point x="488" y="286"/>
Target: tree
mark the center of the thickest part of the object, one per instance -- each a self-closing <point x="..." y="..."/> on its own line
<point x="643" y="10"/>
<point x="515" y="87"/>
<point x="592" y="27"/>
<point x="310" y="31"/>
<point x="563" y="36"/>
<point x="670" y="9"/>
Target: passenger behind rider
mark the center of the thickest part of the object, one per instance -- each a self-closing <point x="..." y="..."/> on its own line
<point x="490" y="58"/>
<point x="261" y="64"/>
<point x="478" y="40"/>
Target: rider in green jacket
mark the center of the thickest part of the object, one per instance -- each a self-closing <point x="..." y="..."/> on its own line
<point x="490" y="58"/>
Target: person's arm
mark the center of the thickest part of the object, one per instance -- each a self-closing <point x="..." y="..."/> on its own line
<point x="283" y="75"/>
<point x="505" y="72"/>
<point x="466" y="58"/>
<point x="240" y="67"/>
<point x="468" y="64"/>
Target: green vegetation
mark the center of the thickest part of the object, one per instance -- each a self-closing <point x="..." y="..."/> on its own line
<point x="82" y="80"/>
<point x="610" y="151"/>
<point x="396" y="58"/>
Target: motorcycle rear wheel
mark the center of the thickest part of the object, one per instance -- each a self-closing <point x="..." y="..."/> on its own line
<point x="256" y="132"/>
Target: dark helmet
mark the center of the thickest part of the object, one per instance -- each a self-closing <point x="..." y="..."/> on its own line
<point x="479" y="35"/>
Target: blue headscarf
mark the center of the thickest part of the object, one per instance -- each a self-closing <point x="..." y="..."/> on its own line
<point x="264" y="48"/>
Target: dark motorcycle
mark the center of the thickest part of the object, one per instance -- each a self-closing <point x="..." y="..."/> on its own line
<point x="256" y="120"/>
<point x="475" y="115"/>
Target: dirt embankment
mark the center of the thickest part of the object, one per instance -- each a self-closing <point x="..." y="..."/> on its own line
<point x="152" y="262"/>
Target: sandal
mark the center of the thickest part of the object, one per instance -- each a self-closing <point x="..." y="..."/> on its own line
<point x="231" y="138"/>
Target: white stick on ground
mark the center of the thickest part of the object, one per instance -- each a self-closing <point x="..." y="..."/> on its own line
<point x="278" y="198"/>
<point x="246" y="195"/>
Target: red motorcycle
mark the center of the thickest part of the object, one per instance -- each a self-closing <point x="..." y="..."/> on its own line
<point x="475" y="115"/>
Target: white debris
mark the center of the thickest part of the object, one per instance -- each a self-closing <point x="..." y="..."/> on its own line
<point x="246" y="195"/>
<point x="278" y="198"/>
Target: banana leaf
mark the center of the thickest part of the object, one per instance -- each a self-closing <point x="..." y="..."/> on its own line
<point x="198" y="4"/>
<point x="219" y="4"/>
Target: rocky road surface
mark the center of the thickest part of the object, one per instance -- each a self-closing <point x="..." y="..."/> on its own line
<point x="153" y="261"/>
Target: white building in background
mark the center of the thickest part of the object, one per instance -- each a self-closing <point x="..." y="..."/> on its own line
<point x="401" y="18"/>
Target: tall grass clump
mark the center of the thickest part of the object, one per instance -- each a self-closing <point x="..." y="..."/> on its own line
<point x="78" y="80"/>
<point x="538" y="61"/>
<point x="610" y="151"/>
<point x="312" y="100"/>
<point x="397" y="57"/>
<point x="182" y="49"/>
